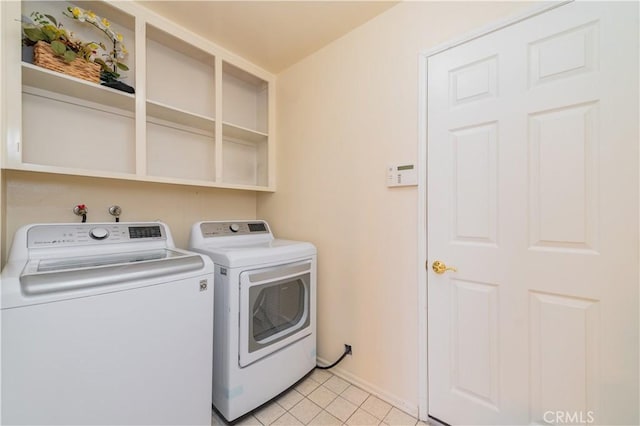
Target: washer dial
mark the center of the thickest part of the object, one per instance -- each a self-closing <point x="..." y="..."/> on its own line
<point x="99" y="233"/>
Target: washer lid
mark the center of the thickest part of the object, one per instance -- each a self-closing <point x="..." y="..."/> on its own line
<point x="43" y="276"/>
<point x="235" y="255"/>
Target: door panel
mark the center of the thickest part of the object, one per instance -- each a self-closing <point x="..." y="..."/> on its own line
<point x="474" y="184"/>
<point x="533" y="198"/>
<point x="561" y="379"/>
<point x="563" y="161"/>
<point x="474" y="321"/>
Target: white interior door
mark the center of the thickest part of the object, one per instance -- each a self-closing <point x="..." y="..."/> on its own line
<point x="533" y="198"/>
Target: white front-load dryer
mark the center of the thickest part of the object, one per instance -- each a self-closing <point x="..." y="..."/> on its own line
<point x="265" y="312"/>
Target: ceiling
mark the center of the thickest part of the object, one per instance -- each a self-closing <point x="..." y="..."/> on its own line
<point x="272" y="34"/>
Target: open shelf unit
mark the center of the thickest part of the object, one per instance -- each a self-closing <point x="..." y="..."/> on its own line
<point x="200" y="115"/>
<point x="244" y="127"/>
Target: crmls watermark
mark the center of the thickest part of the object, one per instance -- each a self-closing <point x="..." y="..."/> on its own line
<point x="569" y="417"/>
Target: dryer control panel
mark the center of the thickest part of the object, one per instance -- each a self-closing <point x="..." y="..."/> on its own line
<point x="226" y="229"/>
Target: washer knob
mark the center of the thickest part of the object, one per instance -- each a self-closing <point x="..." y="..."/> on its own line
<point x="98" y="233"/>
<point x="234" y="227"/>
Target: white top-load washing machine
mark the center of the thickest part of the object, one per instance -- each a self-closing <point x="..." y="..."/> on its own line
<point x="105" y="323"/>
<point x="265" y="312"/>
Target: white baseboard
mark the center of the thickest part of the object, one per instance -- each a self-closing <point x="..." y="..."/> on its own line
<point x="404" y="405"/>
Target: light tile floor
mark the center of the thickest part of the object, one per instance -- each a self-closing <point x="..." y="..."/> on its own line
<point x="324" y="399"/>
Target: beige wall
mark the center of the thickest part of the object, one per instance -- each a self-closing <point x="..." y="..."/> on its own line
<point x="344" y="114"/>
<point x="39" y="197"/>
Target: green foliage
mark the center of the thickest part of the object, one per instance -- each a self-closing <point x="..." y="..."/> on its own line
<point x="69" y="55"/>
<point x="47" y="29"/>
<point x="52" y="19"/>
<point x="52" y="33"/>
<point x="33" y="34"/>
<point x="58" y="47"/>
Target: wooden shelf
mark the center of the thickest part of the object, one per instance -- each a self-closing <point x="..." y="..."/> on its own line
<point x="179" y="116"/>
<point x="233" y="131"/>
<point x="63" y="84"/>
<point x="134" y="177"/>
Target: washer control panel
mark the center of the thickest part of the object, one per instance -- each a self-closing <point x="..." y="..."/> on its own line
<point x="55" y="235"/>
<point x="225" y="229"/>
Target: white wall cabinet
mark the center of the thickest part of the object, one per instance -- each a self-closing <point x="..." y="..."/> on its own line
<point x="200" y="115"/>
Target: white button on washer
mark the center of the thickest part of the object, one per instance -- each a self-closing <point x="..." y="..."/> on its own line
<point x="98" y="233"/>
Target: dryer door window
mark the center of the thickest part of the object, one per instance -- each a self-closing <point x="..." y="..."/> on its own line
<point x="274" y="309"/>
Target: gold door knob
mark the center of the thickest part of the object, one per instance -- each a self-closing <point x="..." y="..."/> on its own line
<point x="440" y="268"/>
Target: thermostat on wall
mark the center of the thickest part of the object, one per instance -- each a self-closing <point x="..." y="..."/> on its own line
<point x="402" y="175"/>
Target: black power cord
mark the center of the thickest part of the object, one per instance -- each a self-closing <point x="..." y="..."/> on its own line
<point x="347" y="351"/>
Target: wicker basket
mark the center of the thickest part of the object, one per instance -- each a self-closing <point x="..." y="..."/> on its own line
<point x="43" y="56"/>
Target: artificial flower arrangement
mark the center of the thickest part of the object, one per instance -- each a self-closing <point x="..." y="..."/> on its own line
<point x="112" y="61"/>
<point x="64" y="45"/>
<point x="46" y="28"/>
